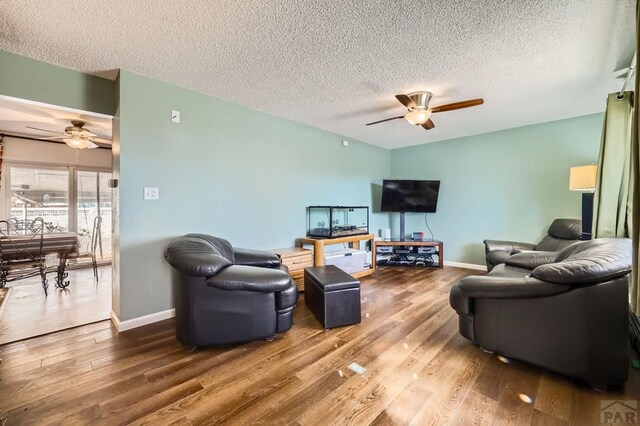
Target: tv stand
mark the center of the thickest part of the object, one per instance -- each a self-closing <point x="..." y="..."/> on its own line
<point x="408" y="248"/>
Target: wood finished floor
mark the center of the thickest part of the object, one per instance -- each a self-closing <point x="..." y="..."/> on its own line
<point x="419" y="372"/>
<point x="29" y="313"/>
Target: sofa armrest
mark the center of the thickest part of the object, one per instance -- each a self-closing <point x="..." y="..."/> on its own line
<point x="261" y="258"/>
<point x="532" y="259"/>
<point x="496" y="257"/>
<point x="508" y="246"/>
<point x="250" y="278"/>
<point x="287" y="298"/>
<point x="507" y="288"/>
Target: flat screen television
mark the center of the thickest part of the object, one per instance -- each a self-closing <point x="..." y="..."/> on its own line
<point x="410" y="196"/>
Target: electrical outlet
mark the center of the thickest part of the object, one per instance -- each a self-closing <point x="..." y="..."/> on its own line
<point x="175" y="116"/>
<point x="151" y="193"/>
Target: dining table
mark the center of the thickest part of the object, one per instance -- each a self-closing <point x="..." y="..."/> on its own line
<point x="25" y="255"/>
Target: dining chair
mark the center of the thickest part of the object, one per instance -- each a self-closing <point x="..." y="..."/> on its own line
<point x="22" y="256"/>
<point x="91" y="254"/>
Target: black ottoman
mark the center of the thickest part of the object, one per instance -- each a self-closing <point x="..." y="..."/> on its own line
<point x="332" y="295"/>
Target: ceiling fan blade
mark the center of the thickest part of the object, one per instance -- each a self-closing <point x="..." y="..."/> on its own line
<point x="386" y="119"/>
<point x="428" y="125"/>
<point x="87" y="134"/>
<point x="44" y="130"/>
<point x="458" y="105"/>
<point x="100" y="140"/>
<point x="52" y="138"/>
<point x="406" y="101"/>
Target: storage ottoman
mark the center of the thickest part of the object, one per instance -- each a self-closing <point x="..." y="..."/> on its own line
<point x="332" y="295"/>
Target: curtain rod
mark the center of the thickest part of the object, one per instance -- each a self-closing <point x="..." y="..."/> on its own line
<point x="28" y="138"/>
<point x="631" y="70"/>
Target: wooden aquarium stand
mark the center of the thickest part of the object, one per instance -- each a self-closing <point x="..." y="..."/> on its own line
<point x="353" y="241"/>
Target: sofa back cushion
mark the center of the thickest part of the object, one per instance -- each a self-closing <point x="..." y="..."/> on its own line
<point x="197" y="256"/>
<point x="588" y="262"/>
<point x="568" y="229"/>
<point x="561" y="233"/>
<point x="551" y="243"/>
<point x="220" y="246"/>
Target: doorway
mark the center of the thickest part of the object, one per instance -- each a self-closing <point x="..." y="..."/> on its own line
<point x="93" y="200"/>
<point x="42" y="176"/>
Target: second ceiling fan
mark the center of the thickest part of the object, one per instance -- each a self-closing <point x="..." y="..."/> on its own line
<point x="76" y="136"/>
<point x="419" y="111"/>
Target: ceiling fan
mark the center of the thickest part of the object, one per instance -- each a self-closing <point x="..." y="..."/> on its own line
<point x="76" y="136"/>
<point x="419" y="111"/>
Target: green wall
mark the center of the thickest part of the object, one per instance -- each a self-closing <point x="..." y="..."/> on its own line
<point x="248" y="176"/>
<point x="26" y="78"/>
<point x="508" y="184"/>
<point x="225" y="170"/>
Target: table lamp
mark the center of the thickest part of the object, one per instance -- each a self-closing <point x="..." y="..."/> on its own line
<point x="583" y="178"/>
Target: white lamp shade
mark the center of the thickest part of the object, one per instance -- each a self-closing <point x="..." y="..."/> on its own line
<point x="583" y="178"/>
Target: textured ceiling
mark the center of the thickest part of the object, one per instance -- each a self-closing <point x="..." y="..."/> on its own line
<point x="337" y="64"/>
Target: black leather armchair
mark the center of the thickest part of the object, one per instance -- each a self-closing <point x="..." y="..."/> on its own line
<point x="566" y="311"/>
<point x="228" y="295"/>
<point x="561" y="233"/>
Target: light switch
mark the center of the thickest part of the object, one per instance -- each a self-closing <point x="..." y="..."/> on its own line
<point x="151" y="193"/>
<point x="175" y="116"/>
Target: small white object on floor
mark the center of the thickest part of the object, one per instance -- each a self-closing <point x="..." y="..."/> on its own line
<point x="356" y="368"/>
<point x="504" y="359"/>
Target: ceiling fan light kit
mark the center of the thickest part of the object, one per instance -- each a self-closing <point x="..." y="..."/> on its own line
<point x="418" y="116"/>
<point x="79" y="143"/>
<point x="417" y="103"/>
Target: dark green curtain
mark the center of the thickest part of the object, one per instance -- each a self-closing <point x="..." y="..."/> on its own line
<point x="634" y="285"/>
<point x="612" y="200"/>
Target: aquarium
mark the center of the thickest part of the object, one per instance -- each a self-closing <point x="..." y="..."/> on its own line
<point x="337" y="221"/>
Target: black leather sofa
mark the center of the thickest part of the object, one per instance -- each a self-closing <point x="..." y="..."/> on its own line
<point x="228" y="295"/>
<point x="561" y="233"/>
<point x="566" y="311"/>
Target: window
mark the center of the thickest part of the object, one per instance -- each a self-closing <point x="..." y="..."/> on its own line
<point x="67" y="198"/>
<point x="39" y="192"/>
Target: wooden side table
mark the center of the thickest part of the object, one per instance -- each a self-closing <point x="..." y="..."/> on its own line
<point x="353" y="240"/>
<point x="296" y="259"/>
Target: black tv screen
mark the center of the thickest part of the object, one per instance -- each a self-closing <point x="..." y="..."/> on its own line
<point x="417" y="196"/>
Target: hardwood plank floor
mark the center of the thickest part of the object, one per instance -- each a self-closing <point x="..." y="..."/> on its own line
<point x="29" y="313"/>
<point x="418" y="371"/>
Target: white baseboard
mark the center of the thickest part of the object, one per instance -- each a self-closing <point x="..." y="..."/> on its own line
<point x="170" y="313"/>
<point x="465" y="265"/>
<point x="140" y="321"/>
